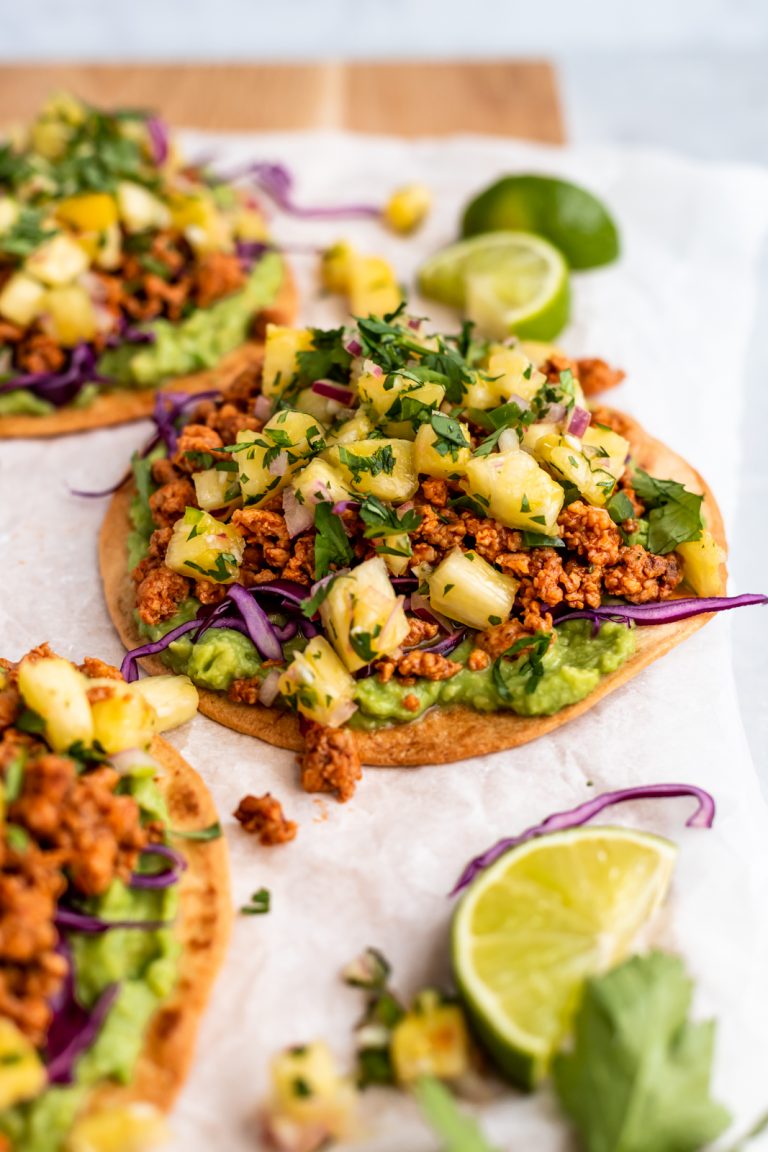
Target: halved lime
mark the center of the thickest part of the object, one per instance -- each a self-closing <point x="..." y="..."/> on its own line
<point x="542" y="919"/>
<point x="507" y="282"/>
<point x="569" y="216"/>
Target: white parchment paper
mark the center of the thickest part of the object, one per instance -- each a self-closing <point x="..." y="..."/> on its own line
<point x="675" y="314"/>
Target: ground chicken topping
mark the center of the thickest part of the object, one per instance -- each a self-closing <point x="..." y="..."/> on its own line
<point x="263" y="817"/>
<point x="330" y="761"/>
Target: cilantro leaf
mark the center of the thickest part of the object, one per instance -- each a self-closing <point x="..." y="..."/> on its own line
<point x="26" y="234"/>
<point x="331" y="544"/>
<point x="675" y="513"/>
<point x="457" y="1131"/>
<point x="382" y="520"/>
<point x="327" y="359"/>
<point x="259" y="904"/>
<point x="637" y="1079"/>
<point x="449" y="435"/>
<point x="619" y="507"/>
<point x="382" y="460"/>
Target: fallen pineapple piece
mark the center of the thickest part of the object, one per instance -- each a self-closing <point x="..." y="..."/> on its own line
<point x="407" y="208"/>
<point x="311" y="1103"/>
<point x="368" y="282"/>
<point x="431" y="1039"/>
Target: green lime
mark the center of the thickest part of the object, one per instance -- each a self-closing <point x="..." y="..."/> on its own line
<point x="570" y="217"/>
<point x="539" y="922"/>
<point x="507" y="282"/>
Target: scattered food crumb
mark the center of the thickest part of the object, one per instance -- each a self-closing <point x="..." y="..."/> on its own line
<point x="264" y="817"/>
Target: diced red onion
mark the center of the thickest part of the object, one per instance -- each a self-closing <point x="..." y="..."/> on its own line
<point x="414" y="324"/>
<point x="580" y="421"/>
<point x="344" y="506"/>
<point x="703" y="817"/>
<point x="262" y="407"/>
<point x="373" y="369"/>
<point x="278" y="466"/>
<point x="553" y="415"/>
<point x="74" y="1029"/>
<point x="158" y="136"/>
<point x="269" y="689"/>
<point x="515" y="398"/>
<point x="168" y="877"/>
<point x="508" y="441"/>
<point x="354" y="347"/>
<point x="662" y="611"/>
<point x="333" y="391"/>
<point x="404" y="583"/>
<point x="298" y="517"/>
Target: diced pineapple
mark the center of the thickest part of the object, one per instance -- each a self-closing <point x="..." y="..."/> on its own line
<point x="215" y="489"/>
<point x="703" y="562"/>
<point x="278" y="451"/>
<point x="21" y="300"/>
<point x="322" y="408"/>
<point x="535" y="432"/>
<point x="122" y="718"/>
<point x="91" y="212"/>
<point x="335" y="265"/>
<point x="70" y="314"/>
<point x="387" y="394"/>
<point x="56" y="690"/>
<point x="605" y="449"/>
<point x="59" y="260"/>
<point x="538" y="352"/>
<point x="50" y="138"/>
<point x="319" y="481"/>
<point x="407" y="208"/>
<point x="281" y="349"/>
<point x="563" y="457"/>
<point x="513" y="373"/>
<point x="139" y="209"/>
<point x="373" y="287"/>
<point x="430" y="1040"/>
<point x="515" y="490"/>
<point x="109" y="248"/>
<point x="358" y="427"/>
<point x="311" y="1102"/>
<point x="251" y="225"/>
<point x="173" y="698"/>
<point x="480" y="393"/>
<point x="126" y="1128"/>
<point x="22" y="1072"/>
<point x="430" y="462"/>
<point x="9" y="213"/>
<point x="363" y="616"/>
<point x="383" y="468"/>
<point x="202" y="546"/>
<point x="467" y="588"/>
<point x="319" y="685"/>
<point x="396" y="552"/>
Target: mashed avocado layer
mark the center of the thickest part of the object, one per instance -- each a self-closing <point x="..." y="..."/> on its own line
<point x="200" y="341"/>
<point x="142" y="962"/>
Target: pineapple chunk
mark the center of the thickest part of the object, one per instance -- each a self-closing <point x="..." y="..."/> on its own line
<point x="535" y="432"/>
<point x="139" y="209"/>
<point x="373" y="287"/>
<point x="270" y="457"/>
<point x="358" y="427"/>
<point x="128" y="1128"/>
<point x="383" y="468"/>
<point x="311" y="1103"/>
<point x="21" y="300"/>
<point x="56" y="690"/>
<point x="469" y="589"/>
<point x="563" y="456"/>
<point x="71" y="314"/>
<point x="57" y="261"/>
<point x="319" y="685"/>
<point x="321" y="407"/>
<point x="91" y="212"/>
<point x="430" y="462"/>
<point x="319" y="481"/>
<point x="215" y="489"/>
<point x="50" y="138"/>
<point x="201" y="221"/>
<point x="335" y="265"/>
<point x="9" y="213"/>
<point x="384" y="393"/>
<point x="538" y="352"/>
<point x="515" y="490"/>
<point x="281" y="349"/>
<point x="605" y="449"/>
<point x="122" y="718"/>
<point x="703" y="562"/>
<point x="407" y="208"/>
<point x="22" y="1072"/>
<point x="514" y="374"/>
<point x="251" y="225"/>
<point x="203" y="546"/>
<point x="109" y="248"/>
<point x="363" y="616"/>
<point x="430" y="1040"/>
<point x="173" y="698"/>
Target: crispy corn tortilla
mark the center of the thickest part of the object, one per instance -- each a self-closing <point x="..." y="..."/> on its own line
<point x="126" y="404"/>
<point x="442" y="734"/>
<point x="203" y="929"/>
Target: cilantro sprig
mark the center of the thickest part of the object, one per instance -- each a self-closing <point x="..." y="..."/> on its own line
<point x="381" y="519"/>
<point x="332" y="547"/>
<point x="675" y="513"/>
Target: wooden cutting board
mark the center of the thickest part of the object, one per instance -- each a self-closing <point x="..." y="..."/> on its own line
<point x="508" y="98"/>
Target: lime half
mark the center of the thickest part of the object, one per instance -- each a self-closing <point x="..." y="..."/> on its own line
<point x="506" y="282"/>
<point x="569" y="216"/>
<point x="539" y="922"/>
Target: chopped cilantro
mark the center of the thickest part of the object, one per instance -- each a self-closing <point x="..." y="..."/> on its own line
<point x="259" y="903"/>
<point x="30" y="722"/>
<point x="675" y="513"/>
<point x="14" y="776"/>
<point x="619" y="507"/>
<point x="332" y="548"/>
<point x="28" y="232"/>
<point x="382" y="460"/>
<point x="200" y="835"/>
<point x="381" y="519"/>
<point x="327" y="359"/>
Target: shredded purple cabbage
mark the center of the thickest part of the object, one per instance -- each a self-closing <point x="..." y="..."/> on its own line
<point x="663" y="611"/>
<point x="74" y="1029"/>
<point x="168" y="877"/>
<point x="278" y="183"/>
<point x="703" y="817"/>
<point x="60" y="388"/>
<point x="159" y="139"/>
<point x="257" y="622"/>
<point x="68" y="920"/>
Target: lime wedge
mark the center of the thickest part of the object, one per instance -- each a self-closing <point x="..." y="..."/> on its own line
<point x="539" y="922"/>
<point x="507" y="282"/>
<point x="569" y="216"/>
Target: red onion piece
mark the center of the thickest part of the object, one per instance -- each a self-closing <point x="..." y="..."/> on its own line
<point x="166" y="878"/>
<point x="553" y="415"/>
<point x="344" y="506"/>
<point x="354" y="347"/>
<point x="158" y="135"/>
<point x="269" y="689"/>
<point x="703" y="817"/>
<point x="279" y="466"/>
<point x="262" y="407"/>
<point x="277" y="182"/>
<point x="580" y="421"/>
<point x="333" y="391"/>
<point x="298" y="517"/>
<point x="662" y="611"/>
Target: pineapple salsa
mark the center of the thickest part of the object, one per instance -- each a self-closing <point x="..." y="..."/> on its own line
<point x="386" y="520"/>
<point x="119" y="264"/>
